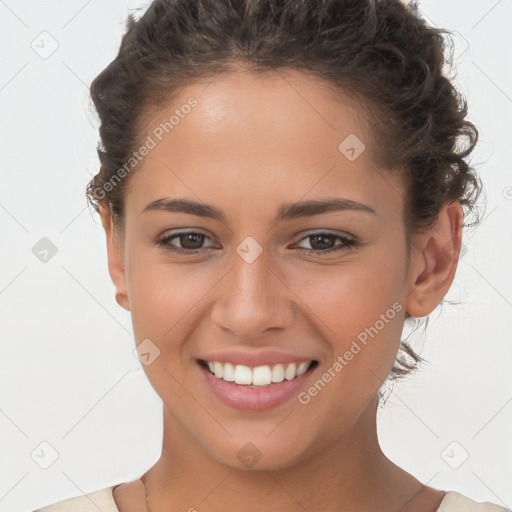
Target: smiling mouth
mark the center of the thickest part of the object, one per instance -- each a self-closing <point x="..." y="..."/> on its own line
<point x="260" y="376"/>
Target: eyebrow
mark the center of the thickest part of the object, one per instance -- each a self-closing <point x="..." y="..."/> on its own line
<point x="287" y="211"/>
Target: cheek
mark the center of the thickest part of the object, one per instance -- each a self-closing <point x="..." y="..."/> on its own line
<point x="359" y="309"/>
<point x="165" y="308"/>
<point x="352" y="297"/>
<point x="362" y="326"/>
<point x="165" y="298"/>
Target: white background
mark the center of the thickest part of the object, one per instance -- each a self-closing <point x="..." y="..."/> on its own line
<point x="68" y="374"/>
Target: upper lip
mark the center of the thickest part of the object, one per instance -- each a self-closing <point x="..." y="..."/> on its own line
<point x="253" y="359"/>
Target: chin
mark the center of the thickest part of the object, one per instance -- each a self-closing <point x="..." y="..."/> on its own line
<point x="259" y="454"/>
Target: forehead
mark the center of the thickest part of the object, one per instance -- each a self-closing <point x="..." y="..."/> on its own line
<point x="256" y="136"/>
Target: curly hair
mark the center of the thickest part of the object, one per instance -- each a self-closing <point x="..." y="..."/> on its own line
<point x="380" y="53"/>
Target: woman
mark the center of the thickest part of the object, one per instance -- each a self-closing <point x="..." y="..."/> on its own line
<point x="281" y="189"/>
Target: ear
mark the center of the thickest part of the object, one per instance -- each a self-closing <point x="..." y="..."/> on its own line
<point x="115" y="258"/>
<point x="433" y="262"/>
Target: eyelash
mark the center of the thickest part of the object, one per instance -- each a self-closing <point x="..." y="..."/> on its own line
<point x="348" y="243"/>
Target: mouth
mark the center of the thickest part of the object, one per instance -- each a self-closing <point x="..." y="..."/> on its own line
<point x="256" y="388"/>
<point x="258" y="376"/>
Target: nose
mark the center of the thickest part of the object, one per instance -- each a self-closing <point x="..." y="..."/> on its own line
<point x="252" y="300"/>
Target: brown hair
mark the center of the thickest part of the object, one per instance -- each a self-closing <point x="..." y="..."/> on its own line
<point x="379" y="52"/>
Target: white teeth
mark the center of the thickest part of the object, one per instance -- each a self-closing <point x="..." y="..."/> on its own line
<point x="217" y="369"/>
<point x="302" y="368"/>
<point x="258" y="376"/>
<point x="228" y="372"/>
<point x="261" y="376"/>
<point x="243" y="374"/>
<point x="277" y="373"/>
<point x="289" y="373"/>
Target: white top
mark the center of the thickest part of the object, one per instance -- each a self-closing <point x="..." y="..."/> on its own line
<point x="104" y="501"/>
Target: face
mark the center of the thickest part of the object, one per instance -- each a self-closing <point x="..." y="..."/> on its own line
<point x="256" y="269"/>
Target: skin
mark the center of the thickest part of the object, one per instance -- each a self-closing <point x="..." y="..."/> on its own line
<point x="252" y="143"/>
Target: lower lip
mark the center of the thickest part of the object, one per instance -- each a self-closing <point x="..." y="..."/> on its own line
<point x="254" y="399"/>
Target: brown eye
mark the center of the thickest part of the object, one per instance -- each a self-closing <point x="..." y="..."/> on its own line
<point x="189" y="242"/>
<point x="323" y="243"/>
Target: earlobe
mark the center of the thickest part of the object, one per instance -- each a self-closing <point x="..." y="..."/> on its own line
<point x="115" y="259"/>
<point x="434" y="261"/>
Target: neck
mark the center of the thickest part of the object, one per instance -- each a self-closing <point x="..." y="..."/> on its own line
<point x="351" y="470"/>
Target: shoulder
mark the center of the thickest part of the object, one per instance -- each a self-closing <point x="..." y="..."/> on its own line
<point x="456" y="502"/>
<point x="92" y="502"/>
